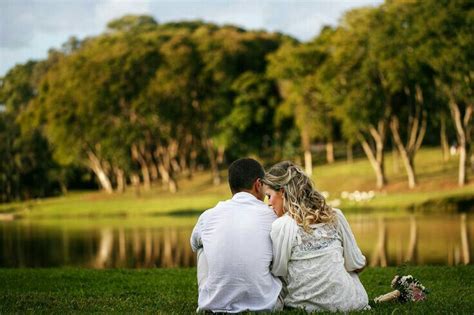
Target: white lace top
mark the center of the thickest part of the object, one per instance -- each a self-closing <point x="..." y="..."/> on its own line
<point x="318" y="267"/>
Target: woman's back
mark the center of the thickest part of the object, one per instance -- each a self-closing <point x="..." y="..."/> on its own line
<point x="317" y="273"/>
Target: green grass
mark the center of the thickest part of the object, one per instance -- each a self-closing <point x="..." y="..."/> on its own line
<point x="437" y="183"/>
<point x="175" y="290"/>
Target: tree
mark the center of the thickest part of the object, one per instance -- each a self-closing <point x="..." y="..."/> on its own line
<point x="405" y="77"/>
<point x="354" y="84"/>
<point x="249" y="128"/>
<point x="449" y="49"/>
<point x="295" y="67"/>
<point x="27" y="169"/>
<point x="226" y="53"/>
<point x="85" y="95"/>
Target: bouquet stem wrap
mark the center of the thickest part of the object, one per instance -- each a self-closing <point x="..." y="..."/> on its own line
<point x="394" y="295"/>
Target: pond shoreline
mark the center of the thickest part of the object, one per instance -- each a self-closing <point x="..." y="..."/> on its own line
<point x="446" y="205"/>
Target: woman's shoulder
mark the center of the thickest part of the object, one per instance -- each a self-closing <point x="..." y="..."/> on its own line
<point x="284" y="229"/>
<point x="339" y="214"/>
<point x="284" y="222"/>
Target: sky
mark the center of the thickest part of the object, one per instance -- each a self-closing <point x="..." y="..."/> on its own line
<point x="29" y="28"/>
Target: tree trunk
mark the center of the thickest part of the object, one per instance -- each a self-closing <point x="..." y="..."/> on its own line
<point x="154" y="175"/>
<point x="462" y="130"/>
<point x="216" y="179"/>
<point x="165" y="175"/>
<point x="377" y="158"/>
<point x="63" y="187"/>
<point x="349" y="153"/>
<point x="183" y="164"/>
<point x="407" y="158"/>
<point x="444" y="138"/>
<point x="120" y="175"/>
<point x="380" y="156"/>
<point x="220" y="154"/>
<point x="330" y="152"/>
<point x="173" y="185"/>
<point x="175" y="165"/>
<point x="165" y="169"/>
<point x="135" y="181"/>
<point x="172" y="153"/>
<point x="96" y="166"/>
<point x="137" y="154"/>
<point x="376" y="166"/>
<point x="308" y="157"/>
<point x="185" y="154"/>
<point x="192" y="162"/>
<point x="417" y="121"/>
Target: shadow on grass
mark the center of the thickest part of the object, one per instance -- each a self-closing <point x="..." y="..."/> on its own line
<point x="9" y="210"/>
<point x="179" y="213"/>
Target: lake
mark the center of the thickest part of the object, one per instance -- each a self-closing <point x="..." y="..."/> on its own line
<point x="386" y="240"/>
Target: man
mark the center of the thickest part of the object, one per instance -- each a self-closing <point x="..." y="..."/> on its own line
<point x="234" y="248"/>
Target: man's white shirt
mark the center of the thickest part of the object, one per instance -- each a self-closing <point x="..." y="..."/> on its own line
<point x="235" y="237"/>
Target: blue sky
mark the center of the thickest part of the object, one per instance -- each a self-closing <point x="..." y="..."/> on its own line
<point x="29" y="28"/>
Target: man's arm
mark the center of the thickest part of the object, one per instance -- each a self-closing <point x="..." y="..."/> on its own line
<point x="196" y="241"/>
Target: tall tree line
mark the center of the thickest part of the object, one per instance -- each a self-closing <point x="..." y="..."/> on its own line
<point x="389" y="72"/>
<point x="147" y="103"/>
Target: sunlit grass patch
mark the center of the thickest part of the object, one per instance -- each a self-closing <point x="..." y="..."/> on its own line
<point x="437" y="179"/>
<point x="175" y="290"/>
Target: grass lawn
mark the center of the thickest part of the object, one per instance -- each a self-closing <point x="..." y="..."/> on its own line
<point x="175" y="290"/>
<point x="437" y="183"/>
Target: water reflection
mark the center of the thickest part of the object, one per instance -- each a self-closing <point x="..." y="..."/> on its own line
<point x="385" y="241"/>
<point x="418" y="240"/>
<point x="32" y="246"/>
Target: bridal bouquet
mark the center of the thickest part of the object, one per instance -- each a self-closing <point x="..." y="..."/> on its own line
<point x="406" y="288"/>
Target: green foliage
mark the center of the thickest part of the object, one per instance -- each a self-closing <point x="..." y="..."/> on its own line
<point x="27" y="169"/>
<point x="146" y="98"/>
<point x="132" y="23"/>
<point x="248" y="128"/>
<point x="352" y="78"/>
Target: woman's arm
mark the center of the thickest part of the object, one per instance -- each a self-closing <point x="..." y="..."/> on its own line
<point x="359" y="270"/>
<point x="354" y="261"/>
<point x="283" y="233"/>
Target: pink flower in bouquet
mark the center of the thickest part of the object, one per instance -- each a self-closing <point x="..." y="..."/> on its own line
<point x="417" y="293"/>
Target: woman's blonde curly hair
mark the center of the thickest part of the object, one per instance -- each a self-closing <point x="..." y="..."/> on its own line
<point x="300" y="200"/>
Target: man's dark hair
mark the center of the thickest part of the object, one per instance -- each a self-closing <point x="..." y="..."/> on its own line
<point x="243" y="173"/>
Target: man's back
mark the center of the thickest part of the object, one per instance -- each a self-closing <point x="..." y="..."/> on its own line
<point x="235" y="236"/>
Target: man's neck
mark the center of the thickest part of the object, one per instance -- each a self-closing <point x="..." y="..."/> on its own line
<point x="252" y="192"/>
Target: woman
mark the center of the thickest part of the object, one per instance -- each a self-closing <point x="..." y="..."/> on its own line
<point x="314" y="249"/>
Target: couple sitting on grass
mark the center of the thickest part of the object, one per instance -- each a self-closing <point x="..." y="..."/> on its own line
<point x="300" y="255"/>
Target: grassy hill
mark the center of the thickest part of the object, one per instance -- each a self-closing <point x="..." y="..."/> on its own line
<point x="437" y="191"/>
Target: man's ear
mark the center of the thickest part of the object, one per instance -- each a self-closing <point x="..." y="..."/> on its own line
<point x="258" y="185"/>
